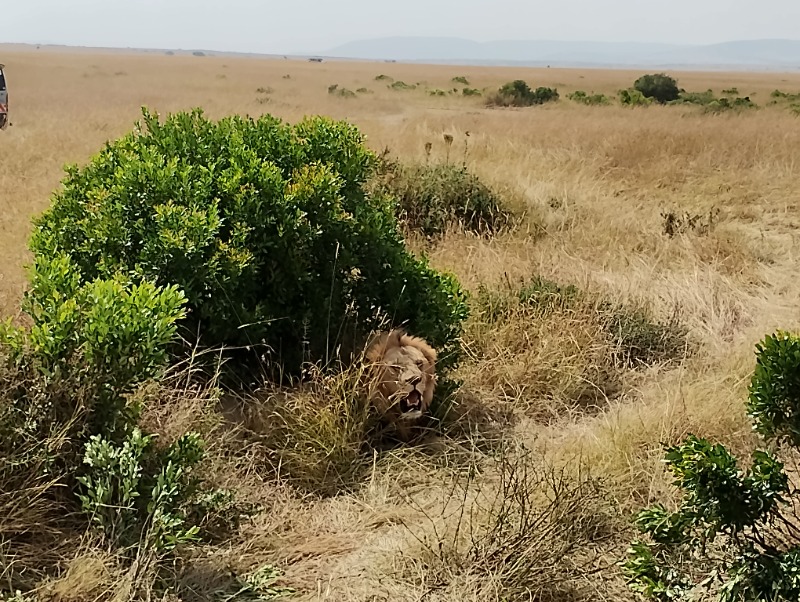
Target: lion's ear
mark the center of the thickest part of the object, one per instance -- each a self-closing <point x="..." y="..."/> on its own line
<point x="395" y="337"/>
<point x="429" y="352"/>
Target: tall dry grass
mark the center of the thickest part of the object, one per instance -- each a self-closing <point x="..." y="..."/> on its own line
<point x="593" y="183"/>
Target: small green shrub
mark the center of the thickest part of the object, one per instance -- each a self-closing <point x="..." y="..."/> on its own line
<point x="138" y="497"/>
<point x="660" y="87"/>
<point x="460" y="80"/>
<point x="582" y="97"/>
<point x="713" y="104"/>
<point x="382" y="77"/>
<point x="432" y="198"/>
<point x="519" y="94"/>
<point x="471" y="92"/>
<point x="266" y="228"/>
<point x="774" y="395"/>
<point x="260" y="586"/>
<point x="112" y="334"/>
<point x="401" y="85"/>
<point x="731" y="91"/>
<point x="789" y="96"/>
<point x="734" y="536"/>
<point x="633" y="98"/>
<point x="725" y="104"/>
<point x="364" y="91"/>
<point x="437" y="92"/>
<point x="696" y="98"/>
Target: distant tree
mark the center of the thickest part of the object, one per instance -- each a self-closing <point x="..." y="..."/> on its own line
<point x="658" y="86"/>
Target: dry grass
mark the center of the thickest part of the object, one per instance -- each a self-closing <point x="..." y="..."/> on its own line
<point x="594" y="182"/>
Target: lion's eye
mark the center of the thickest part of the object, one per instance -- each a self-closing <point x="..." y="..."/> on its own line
<point x="420" y="363"/>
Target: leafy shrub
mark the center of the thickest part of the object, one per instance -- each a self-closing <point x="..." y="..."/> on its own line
<point x="137" y="496"/>
<point x="437" y="92"/>
<point x="725" y="104"/>
<point x="432" y="198"/>
<point x="633" y="98"/>
<point x="659" y="86"/>
<point x="696" y="98"/>
<point x="460" y="80"/>
<point x="779" y="95"/>
<point x="734" y="535"/>
<point x="383" y="78"/>
<point x="364" y="91"/>
<point x="731" y="91"/>
<point x="113" y="332"/>
<point x="471" y="92"/>
<point x="401" y="85"/>
<point x="711" y="103"/>
<point x="266" y="227"/>
<point x="589" y="99"/>
<point x="519" y="94"/>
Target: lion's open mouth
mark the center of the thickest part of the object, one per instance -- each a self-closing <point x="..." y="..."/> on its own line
<point x="411" y="403"/>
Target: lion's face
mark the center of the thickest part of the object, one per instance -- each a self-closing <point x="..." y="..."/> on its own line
<point x="404" y="369"/>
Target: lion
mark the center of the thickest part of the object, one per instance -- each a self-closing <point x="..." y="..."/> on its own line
<point x="403" y="375"/>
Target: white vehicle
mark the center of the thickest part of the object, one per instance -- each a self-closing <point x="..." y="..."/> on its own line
<point x="3" y="100"/>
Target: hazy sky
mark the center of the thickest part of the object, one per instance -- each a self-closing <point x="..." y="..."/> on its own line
<point x="316" y="25"/>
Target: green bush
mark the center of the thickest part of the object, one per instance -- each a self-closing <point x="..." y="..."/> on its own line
<point x="658" y="86"/>
<point x="633" y="98"/>
<point x="791" y="97"/>
<point x="734" y="535"/>
<point x="112" y="333"/>
<point x="519" y="94"/>
<point x="401" y="85"/>
<point x="471" y="92"/>
<point x="713" y="104"/>
<point x="460" y="80"/>
<point x="266" y="228"/>
<point x="137" y="496"/>
<point x="696" y="98"/>
<point x="589" y="99"/>
<point x="432" y="198"/>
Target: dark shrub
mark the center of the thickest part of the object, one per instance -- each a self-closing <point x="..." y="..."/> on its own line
<point x="658" y="86"/>
<point x="519" y="94"/>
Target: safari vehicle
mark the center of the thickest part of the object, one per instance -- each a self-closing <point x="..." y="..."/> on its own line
<point x="3" y="100"/>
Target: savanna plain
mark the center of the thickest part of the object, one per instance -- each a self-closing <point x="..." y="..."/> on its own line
<point x="676" y="225"/>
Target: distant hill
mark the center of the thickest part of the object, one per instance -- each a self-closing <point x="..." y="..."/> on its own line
<point x="750" y="54"/>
